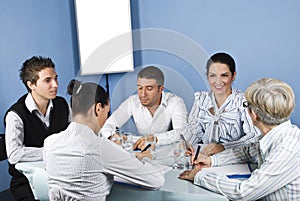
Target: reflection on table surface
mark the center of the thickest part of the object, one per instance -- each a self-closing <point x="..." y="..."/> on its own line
<point x="173" y="189"/>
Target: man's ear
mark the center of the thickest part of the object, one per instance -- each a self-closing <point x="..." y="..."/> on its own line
<point x="30" y="85"/>
<point x="161" y="88"/>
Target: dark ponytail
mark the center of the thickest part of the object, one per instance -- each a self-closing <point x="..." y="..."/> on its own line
<point x="85" y="95"/>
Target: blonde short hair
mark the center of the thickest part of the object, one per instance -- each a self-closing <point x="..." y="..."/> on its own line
<point x="272" y="100"/>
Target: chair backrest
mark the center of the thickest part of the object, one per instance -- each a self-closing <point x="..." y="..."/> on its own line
<point x="40" y="184"/>
<point x="3" y="155"/>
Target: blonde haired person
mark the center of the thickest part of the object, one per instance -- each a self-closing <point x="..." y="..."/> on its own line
<point x="270" y="103"/>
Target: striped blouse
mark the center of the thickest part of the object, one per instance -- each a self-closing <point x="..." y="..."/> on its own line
<point x="278" y="174"/>
<point x="230" y="124"/>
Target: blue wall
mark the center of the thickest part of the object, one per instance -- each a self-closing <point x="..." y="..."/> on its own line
<point x="179" y="36"/>
<point x="263" y="37"/>
<point x="34" y="27"/>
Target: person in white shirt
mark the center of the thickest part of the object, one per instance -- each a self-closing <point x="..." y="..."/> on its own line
<point x="80" y="163"/>
<point x="270" y="103"/>
<point x="36" y="115"/>
<point x="217" y="119"/>
<point x="152" y="109"/>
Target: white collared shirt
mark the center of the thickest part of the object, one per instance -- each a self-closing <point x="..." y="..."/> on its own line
<point x="80" y="165"/>
<point x="14" y="133"/>
<point x="172" y="109"/>
<point x="277" y="178"/>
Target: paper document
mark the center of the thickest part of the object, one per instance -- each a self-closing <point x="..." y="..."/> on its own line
<point x="231" y="171"/>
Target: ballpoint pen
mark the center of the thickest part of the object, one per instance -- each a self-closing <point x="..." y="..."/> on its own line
<point x="185" y="142"/>
<point x="197" y="152"/>
<point x="147" y="147"/>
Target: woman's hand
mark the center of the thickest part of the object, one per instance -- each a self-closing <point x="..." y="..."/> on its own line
<point x="116" y="138"/>
<point x="202" y="161"/>
<point x="189" y="150"/>
<point x="212" y="149"/>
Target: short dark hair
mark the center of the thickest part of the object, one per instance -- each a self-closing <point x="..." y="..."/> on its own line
<point x="84" y="95"/>
<point x="152" y="72"/>
<point x="31" y="67"/>
<point x="222" y="58"/>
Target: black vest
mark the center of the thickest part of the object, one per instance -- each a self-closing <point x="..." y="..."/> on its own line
<point x="35" y="131"/>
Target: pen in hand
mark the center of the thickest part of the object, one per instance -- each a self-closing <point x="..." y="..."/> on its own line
<point x="147" y="147"/>
<point x="197" y="153"/>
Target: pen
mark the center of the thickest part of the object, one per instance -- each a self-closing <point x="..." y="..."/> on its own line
<point x="185" y="142"/>
<point x="147" y="147"/>
<point x="197" y="152"/>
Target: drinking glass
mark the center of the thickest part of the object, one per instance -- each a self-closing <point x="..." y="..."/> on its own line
<point x="180" y="160"/>
<point x="127" y="142"/>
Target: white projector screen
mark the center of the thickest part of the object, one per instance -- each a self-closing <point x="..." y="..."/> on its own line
<point x="104" y="35"/>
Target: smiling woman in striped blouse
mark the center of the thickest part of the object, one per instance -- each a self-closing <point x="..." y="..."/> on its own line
<point x="277" y="152"/>
<point x="217" y="118"/>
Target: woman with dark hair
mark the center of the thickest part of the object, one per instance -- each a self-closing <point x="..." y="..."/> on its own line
<point x="217" y="119"/>
<point x="223" y="122"/>
<point x="80" y="163"/>
<point x="270" y="103"/>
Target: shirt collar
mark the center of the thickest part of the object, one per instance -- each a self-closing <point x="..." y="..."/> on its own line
<point x="163" y="99"/>
<point x="266" y="141"/>
<point x="31" y="105"/>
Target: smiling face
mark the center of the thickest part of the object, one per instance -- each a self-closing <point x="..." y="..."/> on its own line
<point x="220" y="79"/>
<point x="149" y="92"/>
<point x="46" y="86"/>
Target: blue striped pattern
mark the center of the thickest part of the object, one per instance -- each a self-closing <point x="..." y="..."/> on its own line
<point x="277" y="178"/>
<point x="235" y="127"/>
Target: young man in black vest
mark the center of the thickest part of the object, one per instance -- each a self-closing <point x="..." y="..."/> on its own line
<point x="32" y="118"/>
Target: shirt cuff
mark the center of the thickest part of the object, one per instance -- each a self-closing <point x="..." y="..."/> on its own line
<point x="198" y="178"/>
<point x="214" y="160"/>
<point x="160" y="140"/>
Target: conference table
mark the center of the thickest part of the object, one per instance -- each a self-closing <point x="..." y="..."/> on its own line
<point x="173" y="189"/>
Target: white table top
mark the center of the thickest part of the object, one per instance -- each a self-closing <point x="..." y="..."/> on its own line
<point x="173" y="189"/>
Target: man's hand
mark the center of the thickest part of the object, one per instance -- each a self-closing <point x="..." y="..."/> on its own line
<point x="140" y="144"/>
<point x="145" y="154"/>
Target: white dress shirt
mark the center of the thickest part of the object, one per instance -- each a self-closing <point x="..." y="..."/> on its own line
<point x="230" y="124"/>
<point x="80" y="165"/>
<point x="172" y="109"/>
<point x="14" y="133"/>
<point x="278" y="175"/>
